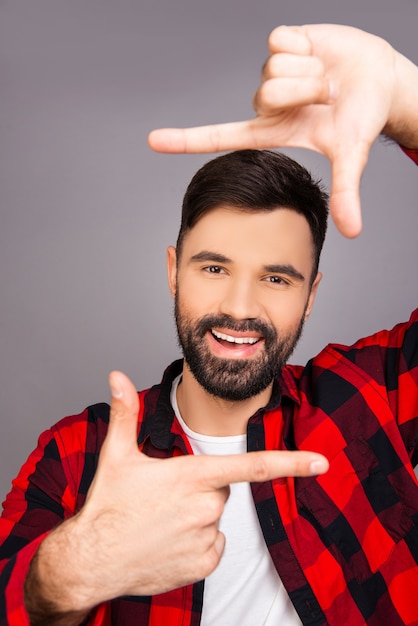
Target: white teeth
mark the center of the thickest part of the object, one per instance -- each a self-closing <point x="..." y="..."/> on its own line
<point x="219" y="335"/>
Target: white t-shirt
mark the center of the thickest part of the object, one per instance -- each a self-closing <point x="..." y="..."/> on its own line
<point x="245" y="588"/>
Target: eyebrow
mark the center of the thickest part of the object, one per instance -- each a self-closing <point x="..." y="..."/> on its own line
<point x="213" y="257"/>
<point x="275" y="268"/>
<point x="287" y="269"/>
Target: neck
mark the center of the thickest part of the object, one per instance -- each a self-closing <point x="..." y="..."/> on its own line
<point x="209" y="415"/>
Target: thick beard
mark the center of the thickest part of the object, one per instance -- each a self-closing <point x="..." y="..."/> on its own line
<point x="234" y="380"/>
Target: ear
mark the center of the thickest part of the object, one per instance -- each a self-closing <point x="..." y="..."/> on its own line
<point x="172" y="269"/>
<point x="312" y="295"/>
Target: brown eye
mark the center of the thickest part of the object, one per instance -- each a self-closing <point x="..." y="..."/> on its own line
<point x="276" y="280"/>
<point x="213" y="269"/>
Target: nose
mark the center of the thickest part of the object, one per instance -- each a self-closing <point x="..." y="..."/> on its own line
<point x="240" y="300"/>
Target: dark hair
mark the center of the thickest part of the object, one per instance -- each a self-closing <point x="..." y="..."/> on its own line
<point x="256" y="180"/>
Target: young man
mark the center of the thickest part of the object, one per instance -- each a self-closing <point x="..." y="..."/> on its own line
<point x="137" y="530"/>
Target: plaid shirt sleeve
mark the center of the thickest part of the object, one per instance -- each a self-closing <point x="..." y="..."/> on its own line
<point x="50" y="487"/>
<point x="390" y="358"/>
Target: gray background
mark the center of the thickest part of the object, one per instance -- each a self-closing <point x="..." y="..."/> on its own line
<point x="87" y="209"/>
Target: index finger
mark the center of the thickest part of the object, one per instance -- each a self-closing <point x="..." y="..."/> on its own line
<point x="263" y="466"/>
<point x="199" y="139"/>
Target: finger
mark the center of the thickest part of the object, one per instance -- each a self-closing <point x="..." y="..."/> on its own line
<point x="285" y="92"/>
<point x="121" y="436"/>
<point x="213" y="555"/>
<point x="345" y="203"/>
<point x="262" y="466"/>
<point x="219" y="544"/>
<point x="282" y="65"/>
<point x="345" y="210"/>
<point x="292" y="39"/>
<point x="214" y="138"/>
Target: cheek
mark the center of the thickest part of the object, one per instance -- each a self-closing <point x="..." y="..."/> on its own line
<point x="287" y="314"/>
<point x="193" y="303"/>
<point x="199" y="296"/>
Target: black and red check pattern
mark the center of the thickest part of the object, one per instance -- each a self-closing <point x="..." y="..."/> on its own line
<point x="345" y="544"/>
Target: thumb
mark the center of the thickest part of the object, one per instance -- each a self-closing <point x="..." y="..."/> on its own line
<point x="122" y="432"/>
<point x="345" y="206"/>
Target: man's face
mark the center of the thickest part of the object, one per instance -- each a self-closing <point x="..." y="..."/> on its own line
<point x="242" y="293"/>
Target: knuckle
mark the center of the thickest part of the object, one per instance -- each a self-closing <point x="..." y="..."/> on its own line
<point x="256" y="101"/>
<point x="260" y="469"/>
<point x="316" y="66"/>
<point x="299" y="466"/>
<point x="269" y="68"/>
<point x="202" y="469"/>
<point x="274" y="39"/>
<point x="266" y="96"/>
<point x="209" y="562"/>
<point x="214" y="136"/>
<point x="319" y="87"/>
<point x="213" y="506"/>
<point x="278" y="65"/>
<point x="269" y="98"/>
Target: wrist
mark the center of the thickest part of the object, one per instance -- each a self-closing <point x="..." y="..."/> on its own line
<point x="402" y="124"/>
<point x="58" y="587"/>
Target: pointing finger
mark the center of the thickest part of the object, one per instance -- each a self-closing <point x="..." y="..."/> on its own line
<point x="213" y="138"/>
<point x="262" y="466"/>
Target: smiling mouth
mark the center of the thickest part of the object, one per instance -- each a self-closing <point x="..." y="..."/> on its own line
<point x="234" y="340"/>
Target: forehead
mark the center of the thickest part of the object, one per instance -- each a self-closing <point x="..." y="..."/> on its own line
<point x="280" y="235"/>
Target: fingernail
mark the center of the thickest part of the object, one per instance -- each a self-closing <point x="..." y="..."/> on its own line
<point x="319" y="466"/>
<point x="115" y="388"/>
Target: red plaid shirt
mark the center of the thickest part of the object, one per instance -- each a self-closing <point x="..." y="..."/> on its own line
<point x="345" y="544"/>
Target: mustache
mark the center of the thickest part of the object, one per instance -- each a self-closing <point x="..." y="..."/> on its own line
<point x="207" y="322"/>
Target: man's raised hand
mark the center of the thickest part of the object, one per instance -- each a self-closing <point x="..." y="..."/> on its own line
<point x="328" y="88"/>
